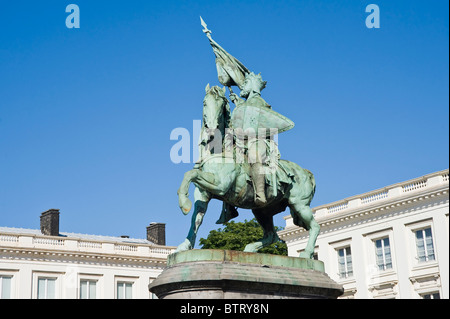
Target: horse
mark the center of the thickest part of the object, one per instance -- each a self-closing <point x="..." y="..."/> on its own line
<point x="220" y="177"/>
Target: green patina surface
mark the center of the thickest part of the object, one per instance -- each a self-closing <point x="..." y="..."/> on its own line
<point x="230" y="256"/>
<point x="242" y="166"/>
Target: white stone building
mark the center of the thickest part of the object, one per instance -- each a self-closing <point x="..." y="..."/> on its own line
<point x="34" y="264"/>
<point x="389" y="243"/>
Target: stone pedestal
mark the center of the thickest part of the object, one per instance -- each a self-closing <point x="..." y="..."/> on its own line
<point x="226" y="274"/>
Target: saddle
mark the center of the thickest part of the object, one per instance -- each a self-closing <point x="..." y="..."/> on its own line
<point x="277" y="177"/>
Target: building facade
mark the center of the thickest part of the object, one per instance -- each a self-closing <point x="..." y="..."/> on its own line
<point x="47" y="264"/>
<point x="389" y="243"/>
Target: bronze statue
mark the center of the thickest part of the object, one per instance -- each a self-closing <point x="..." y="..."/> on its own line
<point x="240" y="163"/>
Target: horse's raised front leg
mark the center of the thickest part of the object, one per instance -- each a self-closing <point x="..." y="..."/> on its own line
<point x="201" y="204"/>
<point x="270" y="235"/>
<point x="196" y="176"/>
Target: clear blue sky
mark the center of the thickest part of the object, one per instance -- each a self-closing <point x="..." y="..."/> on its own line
<point x="86" y="114"/>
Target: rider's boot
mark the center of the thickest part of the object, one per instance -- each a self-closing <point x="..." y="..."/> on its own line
<point x="258" y="184"/>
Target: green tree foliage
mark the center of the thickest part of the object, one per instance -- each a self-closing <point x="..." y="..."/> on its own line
<point x="235" y="236"/>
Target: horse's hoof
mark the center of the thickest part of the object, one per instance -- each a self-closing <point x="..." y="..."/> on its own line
<point x="251" y="248"/>
<point x="185" y="205"/>
<point x="186" y="245"/>
<point x="305" y="254"/>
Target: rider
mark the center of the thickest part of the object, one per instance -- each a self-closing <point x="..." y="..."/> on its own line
<point x="260" y="150"/>
<point x="257" y="148"/>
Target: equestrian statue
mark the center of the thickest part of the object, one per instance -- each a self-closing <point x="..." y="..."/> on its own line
<point x="239" y="162"/>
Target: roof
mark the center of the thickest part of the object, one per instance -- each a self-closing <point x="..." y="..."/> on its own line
<point x="37" y="232"/>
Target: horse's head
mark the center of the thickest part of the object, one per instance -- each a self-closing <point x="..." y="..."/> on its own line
<point x="216" y="110"/>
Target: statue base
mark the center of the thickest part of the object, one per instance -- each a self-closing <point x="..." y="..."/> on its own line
<point x="226" y="274"/>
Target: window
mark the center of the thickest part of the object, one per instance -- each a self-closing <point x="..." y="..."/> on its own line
<point x="380" y="247"/>
<point x="124" y="290"/>
<point x="46" y="288"/>
<point x="383" y="253"/>
<point x="341" y="260"/>
<point x="433" y="295"/>
<point x="46" y="285"/>
<point x="345" y="262"/>
<point x="424" y="244"/>
<point x="5" y="287"/>
<point x="421" y="244"/>
<point x="88" y="289"/>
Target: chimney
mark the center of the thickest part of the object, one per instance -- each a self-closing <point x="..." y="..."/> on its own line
<point x="50" y="222"/>
<point x="156" y="233"/>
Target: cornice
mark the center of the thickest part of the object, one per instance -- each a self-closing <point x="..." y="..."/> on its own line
<point x="76" y="257"/>
<point x="370" y="212"/>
